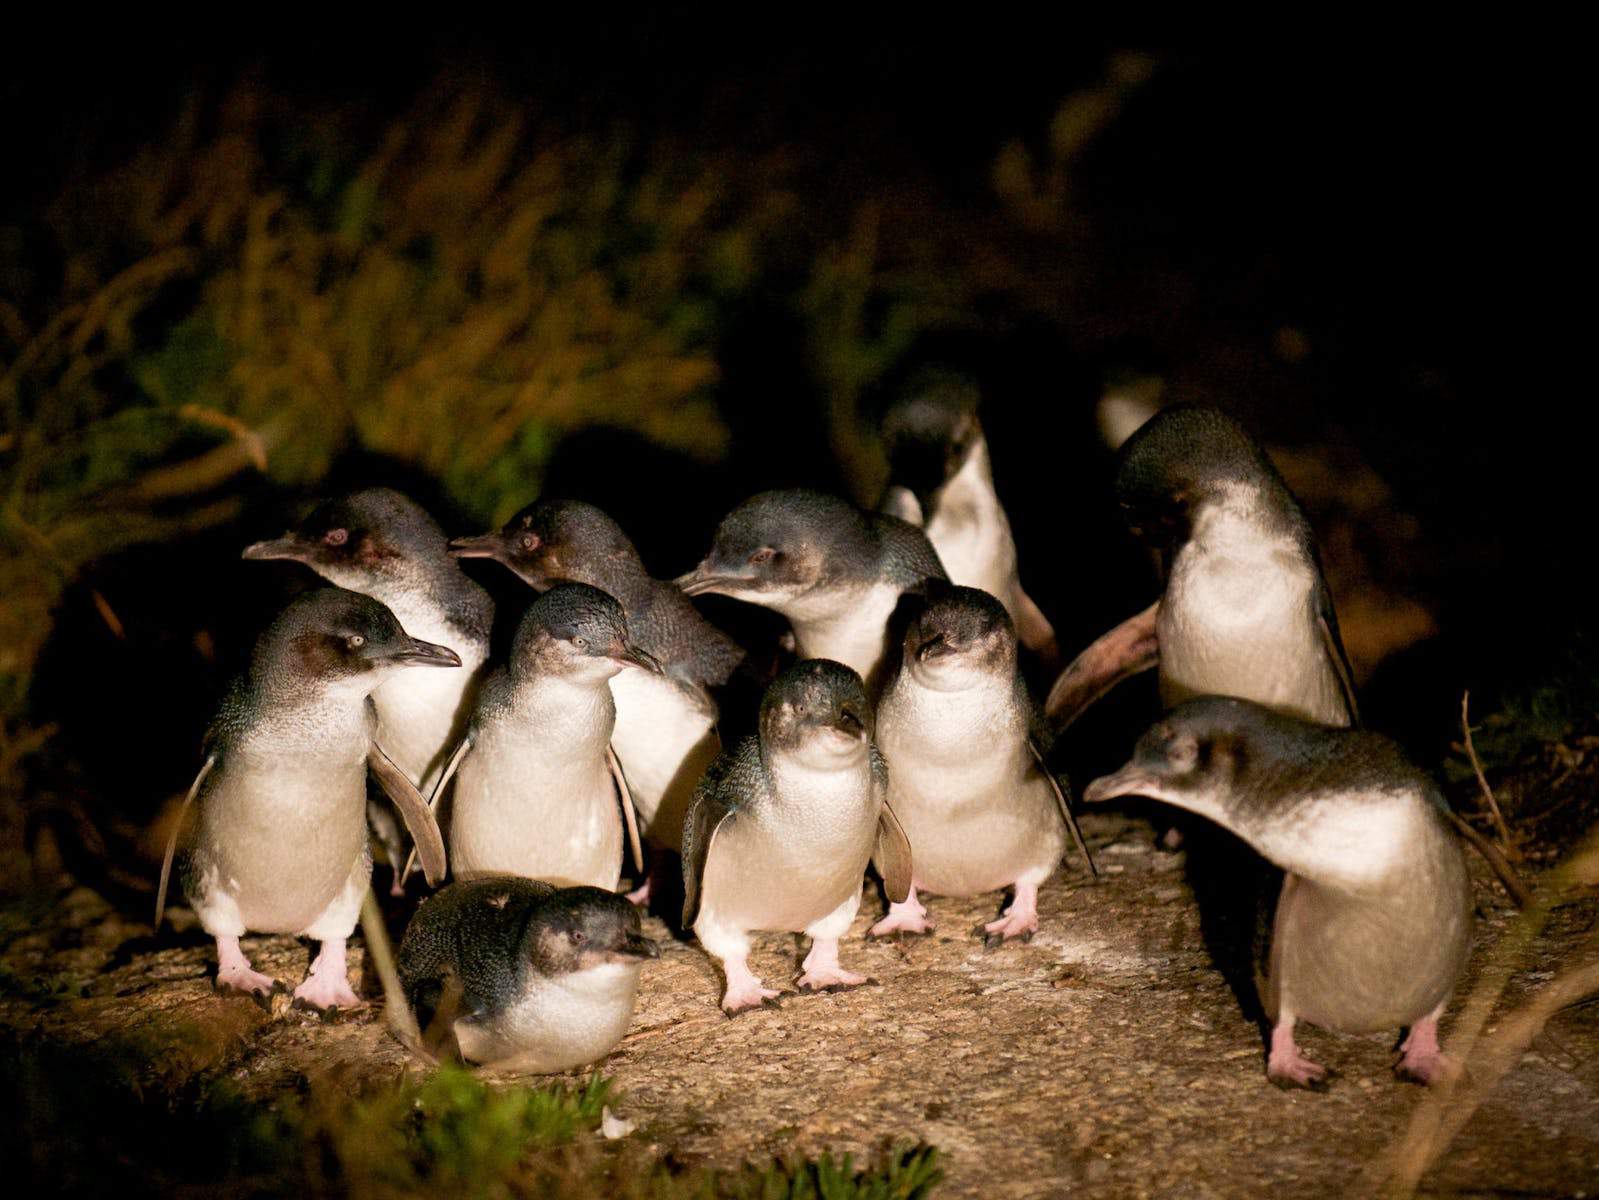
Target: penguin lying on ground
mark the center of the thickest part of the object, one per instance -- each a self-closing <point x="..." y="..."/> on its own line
<point x="781" y="830"/>
<point x="966" y="775"/>
<point x="537" y="789"/>
<point x="836" y="573"/>
<point x="1372" y="924"/>
<point x="382" y="543"/>
<point x="280" y="842"/>
<point x="524" y="976"/>
<point x="1245" y="610"/>
<point x="940" y="478"/>
<point x="665" y="730"/>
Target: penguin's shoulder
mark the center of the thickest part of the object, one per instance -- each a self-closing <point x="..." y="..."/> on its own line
<point x="907" y="557"/>
<point x="667" y="624"/>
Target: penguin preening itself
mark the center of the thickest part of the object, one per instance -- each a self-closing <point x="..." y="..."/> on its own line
<point x="537" y="790"/>
<point x="966" y="772"/>
<point x="522" y="975"/>
<point x="665" y="723"/>
<point x="280" y="842"/>
<point x="1245" y="610"/>
<point x="1372" y="924"/>
<point x="835" y="572"/>
<point x="384" y="544"/>
<point x="941" y="478"/>
<point x="781" y="830"/>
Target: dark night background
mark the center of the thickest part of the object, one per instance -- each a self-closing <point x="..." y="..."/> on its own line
<point x="1336" y="243"/>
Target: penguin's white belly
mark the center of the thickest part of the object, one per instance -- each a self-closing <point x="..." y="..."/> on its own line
<point x="519" y="809"/>
<point x="421" y="714"/>
<point x="1246" y="628"/>
<point x="561" y="1022"/>
<point x="858" y="638"/>
<point x="664" y="741"/>
<point x="279" y="836"/>
<point x="786" y="869"/>
<point x="975" y="805"/>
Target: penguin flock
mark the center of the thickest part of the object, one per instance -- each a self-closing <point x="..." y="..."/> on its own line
<point x="900" y="741"/>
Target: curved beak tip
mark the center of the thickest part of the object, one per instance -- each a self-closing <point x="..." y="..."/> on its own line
<point x="484" y="546"/>
<point x="282" y="547"/>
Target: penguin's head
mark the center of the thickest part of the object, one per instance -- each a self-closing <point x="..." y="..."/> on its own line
<point x="930" y="432"/>
<point x="960" y="635"/>
<point x="1336" y="804"/>
<point x="577" y="630"/>
<point x="774" y="547"/>
<point x="580" y="928"/>
<point x="554" y="540"/>
<point x="1182" y="458"/>
<point x="331" y="635"/>
<point x="817" y="710"/>
<point x="357" y="539"/>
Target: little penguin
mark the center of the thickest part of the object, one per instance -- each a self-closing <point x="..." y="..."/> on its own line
<point x="838" y="574"/>
<point x="522" y="975"/>
<point x="280" y="842"/>
<point x="382" y="543"/>
<point x="537" y="789"/>
<point x="941" y="478"/>
<point x="1245" y="611"/>
<point x="1372" y="923"/>
<point x="967" y="778"/>
<point x="665" y="732"/>
<point x="781" y="830"/>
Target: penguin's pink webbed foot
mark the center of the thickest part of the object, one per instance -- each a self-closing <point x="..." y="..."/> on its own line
<point x="1420" y="1058"/>
<point x="908" y="916"/>
<point x="822" y="972"/>
<point x="1287" y="1066"/>
<point x="327" y="985"/>
<point x="235" y="975"/>
<point x="1020" y="920"/>
<point x="641" y="894"/>
<point x="744" y="990"/>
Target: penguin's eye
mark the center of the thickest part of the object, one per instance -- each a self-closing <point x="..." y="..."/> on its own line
<point x="355" y="641"/>
<point x="530" y="541"/>
<point x="582" y="643"/>
<point x="336" y="537"/>
<point x="764" y="555"/>
<point x="578" y="937"/>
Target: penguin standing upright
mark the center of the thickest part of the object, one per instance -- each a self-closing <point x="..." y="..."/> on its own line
<point x="941" y="478"/>
<point x="666" y="724"/>
<point x="280" y="841"/>
<point x="781" y="830"/>
<point x="526" y="976"/>
<point x="537" y="791"/>
<point x="1372" y="925"/>
<point x="967" y="777"/>
<point x="1244" y="611"/>
<point x="836" y="573"/>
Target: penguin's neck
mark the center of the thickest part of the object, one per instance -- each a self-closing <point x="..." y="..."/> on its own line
<point x="1241" y="524"/>
<point x="1363" y="844"/>
<point x="312" y="714"/>
<point x="847" y="623"/>
<point x="819" y="793"/>
<point x="969" y="529"/>
<point x="564" y="706"/>
<point x="432" y="603"/>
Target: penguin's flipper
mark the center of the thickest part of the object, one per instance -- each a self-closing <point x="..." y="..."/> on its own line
<point x="892" y="855"/>
<point x="1033" y="627"/>
<point x="1327" y="622"/>
<point x="1064" y="801"/>
<point x="705" y="818"/>
<point x="172" y="839"/>
<point x="1120" y="654"/>
<point x="450" y="768"/>
<point x="624" y="796"/>
<point x="418" y="816"/>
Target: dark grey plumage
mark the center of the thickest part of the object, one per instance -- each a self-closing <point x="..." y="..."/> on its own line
<point x="554" y="540"/>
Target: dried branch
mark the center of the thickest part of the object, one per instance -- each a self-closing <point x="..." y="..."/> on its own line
<point x="1482" y="780"/>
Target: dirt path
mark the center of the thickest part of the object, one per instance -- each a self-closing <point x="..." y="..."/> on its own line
<point x="1107" y="1058"/>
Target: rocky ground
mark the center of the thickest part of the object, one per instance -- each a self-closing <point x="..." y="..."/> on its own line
<point x="1109" y="1057"/>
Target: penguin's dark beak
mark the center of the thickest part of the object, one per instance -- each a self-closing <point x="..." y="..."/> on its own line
<point x="936" y="646"/>
<point x="486" y="545"/>
<point x="699" y="581"/>
<point x="849" y="722"/>
<point x="1129" y="781"/>
<point x="633" y="656"/>
<point x="426" y="654"/>
<point x="287" y="546"/>
<point x="636" y="945"/>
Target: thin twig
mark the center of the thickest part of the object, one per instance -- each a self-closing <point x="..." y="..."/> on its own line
<point x="1482" y="780"/>
<point x="396" y="1011"/>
